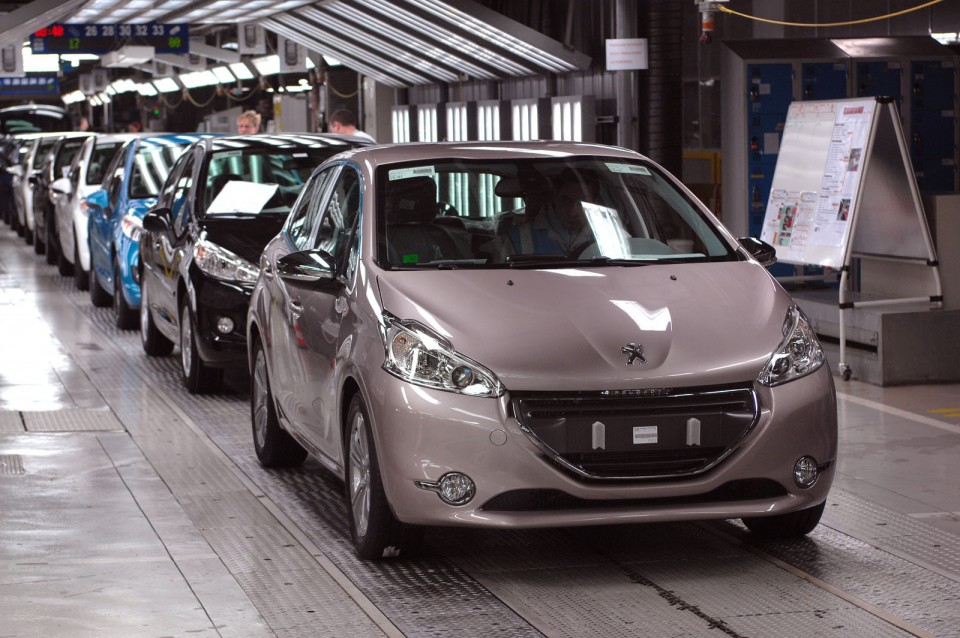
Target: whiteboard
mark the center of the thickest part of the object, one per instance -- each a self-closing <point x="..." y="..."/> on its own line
<point x="818" y="179"/>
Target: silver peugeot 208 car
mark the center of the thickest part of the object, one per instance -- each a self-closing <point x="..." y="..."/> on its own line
<point x="533" y="334"/>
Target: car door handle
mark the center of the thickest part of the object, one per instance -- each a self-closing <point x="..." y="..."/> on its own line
<point x="295" y="306"/>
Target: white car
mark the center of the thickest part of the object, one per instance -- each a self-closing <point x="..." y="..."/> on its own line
<point x="70" y="195"/>
<point x="39" y="145"/>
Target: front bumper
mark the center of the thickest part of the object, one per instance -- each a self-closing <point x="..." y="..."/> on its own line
<point x="423" y="434"/>
<point x="214" y="299"/>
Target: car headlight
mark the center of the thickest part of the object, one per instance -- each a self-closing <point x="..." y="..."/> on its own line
<point x="416" y="354"/>
<point x="798" y="354"/>
<point x="219" y="262"/>
<point x="131" y="226"/>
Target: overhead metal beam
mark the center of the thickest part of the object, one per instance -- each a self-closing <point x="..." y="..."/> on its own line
<point x="214" y="53"/>
<point x="16" y="26"/>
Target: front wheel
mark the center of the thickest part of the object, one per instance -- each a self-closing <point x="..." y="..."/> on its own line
<point x="375" y="531"/>
<point x="99" y="296"/>
<point x="152" y="340"/>
<point x="81" y="277"/>
<point x="197" y="376"/>
<point x="273" y="445"/>
<point x="792" y="525"/>
<point x="127" y="318"/>
<point x="64" y="267"/>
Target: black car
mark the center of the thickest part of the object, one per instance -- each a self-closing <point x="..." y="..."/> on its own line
<point x="224" y="199"/>
<point x="56" y="165"/>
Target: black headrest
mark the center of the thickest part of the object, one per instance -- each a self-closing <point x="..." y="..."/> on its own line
<point x="412" y="200"/>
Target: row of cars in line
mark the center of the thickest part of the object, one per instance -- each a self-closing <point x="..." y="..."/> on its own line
<point x="488" y="334"/>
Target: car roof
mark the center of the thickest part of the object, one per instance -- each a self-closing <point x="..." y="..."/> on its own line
<point x="171" y="139"/>
<point x="431" y="151"/>
<point x="280" y="140"/>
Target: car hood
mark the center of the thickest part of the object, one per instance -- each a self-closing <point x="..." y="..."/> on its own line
<point x="563" y="329"/>
<point x="246" y="236"/>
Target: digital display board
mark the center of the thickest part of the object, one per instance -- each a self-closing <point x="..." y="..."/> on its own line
<point x="103" y="38"/>
<point x="29" y="86"/>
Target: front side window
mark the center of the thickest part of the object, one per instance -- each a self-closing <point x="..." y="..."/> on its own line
<point x="180" y="207"/>
<point x="550" y="212"/>
<point x="64" y="158"/>
<point x="100" y="158"/>
<point x="338" y="216"/>
<point x="304" y="220"/>
<point x="151" y="165"/>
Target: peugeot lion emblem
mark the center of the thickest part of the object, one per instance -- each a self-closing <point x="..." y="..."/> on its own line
<point x="634" y="352"/>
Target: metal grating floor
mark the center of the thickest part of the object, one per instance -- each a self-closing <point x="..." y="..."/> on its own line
<point x="274" y="530"/>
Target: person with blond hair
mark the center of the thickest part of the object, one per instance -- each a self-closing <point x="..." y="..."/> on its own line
<point x="248" y="123"/>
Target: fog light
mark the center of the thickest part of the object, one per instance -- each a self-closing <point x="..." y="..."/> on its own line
<point x="456" y="488"/>
<point x="453" y="488"/>
<point x="225" y="325"/>
<point x="805" y="472"/>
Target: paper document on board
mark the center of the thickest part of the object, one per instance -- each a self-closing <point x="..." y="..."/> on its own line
<point x="241" y="197"/>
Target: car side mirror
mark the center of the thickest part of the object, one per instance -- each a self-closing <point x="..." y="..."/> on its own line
<point x="33" y="180"/>
<point x="157" y="220"/>
<point x="61" y="186"/>
<point x="98" y="200"/>
<point x="307" y="267"/>
<point x="759" y="250"/>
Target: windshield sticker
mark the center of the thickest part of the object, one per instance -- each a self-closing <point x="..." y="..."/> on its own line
<point x="411" y="259"/>
<point x="228" y="154"/>
<point x="632" y="169"/>
<point x="407" y="173"/>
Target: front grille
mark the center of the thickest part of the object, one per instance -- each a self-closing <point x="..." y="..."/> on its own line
<point x="641" y="437"/>
<point x="555" y="500"/>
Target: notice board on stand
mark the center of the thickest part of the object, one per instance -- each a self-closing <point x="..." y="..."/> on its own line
<point x="843" y="165"/>
<point x="844" y="188"/>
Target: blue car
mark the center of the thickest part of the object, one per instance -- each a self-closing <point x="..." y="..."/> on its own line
<point x="114" y="213"/>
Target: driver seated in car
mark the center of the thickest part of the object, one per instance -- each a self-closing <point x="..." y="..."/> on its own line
<point x="560" y="227"/>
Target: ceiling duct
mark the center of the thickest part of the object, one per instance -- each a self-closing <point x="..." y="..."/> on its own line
<point x="127" y="56"/>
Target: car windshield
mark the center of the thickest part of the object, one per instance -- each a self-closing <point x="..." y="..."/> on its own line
<point x="151" y="165"/>
<point x="538" y="213"/>
<point x="258" y="181"/>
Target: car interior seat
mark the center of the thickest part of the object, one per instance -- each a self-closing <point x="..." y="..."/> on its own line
<point x="412" y="237"/>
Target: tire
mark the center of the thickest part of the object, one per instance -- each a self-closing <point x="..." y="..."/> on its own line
<point x="99" y="297"/>
<point x="152" y="340"/>
<point x="53" y="250"/>
<point x="38" y="246"/>
<point x="273" y="445"/>
<point x="28" y="236"/>
<point x="792" y="525"/>
<point x="375" y="531"/>
<point x="127" y="317"/>
<point x="64" y="267"/>
<point x="81" y="277"/>
<point x="198" y="377"/>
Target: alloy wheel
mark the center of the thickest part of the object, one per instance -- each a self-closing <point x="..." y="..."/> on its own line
<point x="359" y="474"/>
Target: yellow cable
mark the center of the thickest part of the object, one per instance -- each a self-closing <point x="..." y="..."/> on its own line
<point x="724" y="9"/>
<point x="345" y="96"/>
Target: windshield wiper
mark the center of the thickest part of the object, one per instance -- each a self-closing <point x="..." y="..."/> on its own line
<point x="620" y="261"/>
<point x="537" y="260"/>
